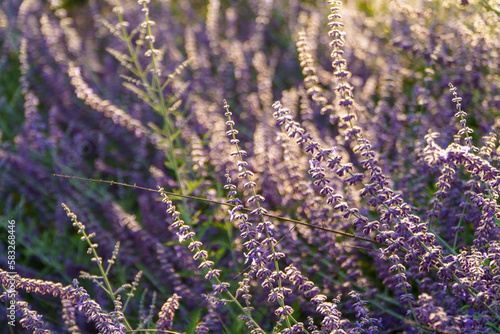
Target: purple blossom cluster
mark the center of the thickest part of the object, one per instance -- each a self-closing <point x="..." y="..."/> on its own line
<point x="264" y="166"/>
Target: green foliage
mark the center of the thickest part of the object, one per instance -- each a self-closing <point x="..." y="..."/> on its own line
<point x="11" y="98"/>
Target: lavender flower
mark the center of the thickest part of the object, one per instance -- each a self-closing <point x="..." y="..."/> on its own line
<point x="167" y="313"/>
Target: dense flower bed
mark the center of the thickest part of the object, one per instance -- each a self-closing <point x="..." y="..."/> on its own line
<point x="250" y="166"/>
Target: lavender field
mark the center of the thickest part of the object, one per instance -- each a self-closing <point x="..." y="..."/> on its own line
<point x="259" y="166"/>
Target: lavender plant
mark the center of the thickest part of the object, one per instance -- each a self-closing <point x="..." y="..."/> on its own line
<point x="250" y="167"/>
